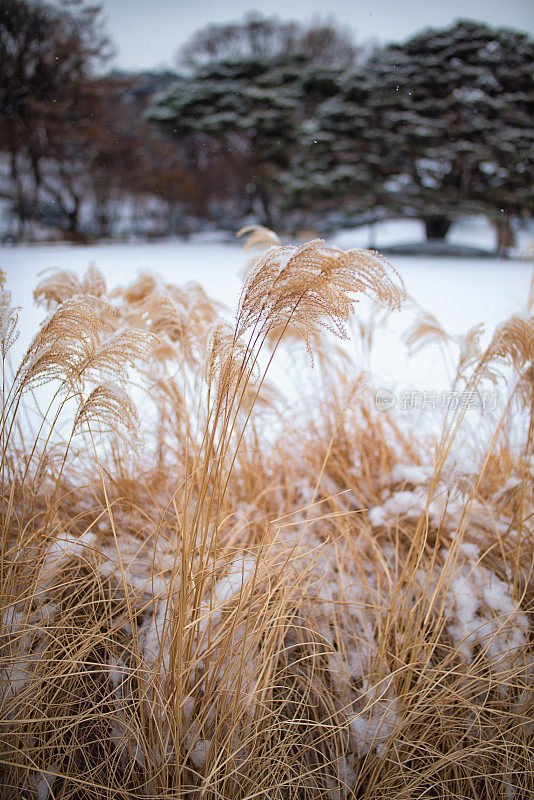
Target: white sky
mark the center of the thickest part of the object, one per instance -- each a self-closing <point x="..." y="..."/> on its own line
<point x="147" y="33"/>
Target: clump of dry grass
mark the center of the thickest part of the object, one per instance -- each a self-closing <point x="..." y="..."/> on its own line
<point x="328" y="612"/>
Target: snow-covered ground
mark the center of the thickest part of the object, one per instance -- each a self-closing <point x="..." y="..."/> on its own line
<point x="461" y="293"/>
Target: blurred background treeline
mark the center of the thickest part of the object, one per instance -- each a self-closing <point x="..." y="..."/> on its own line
<point x="296" y="126"/>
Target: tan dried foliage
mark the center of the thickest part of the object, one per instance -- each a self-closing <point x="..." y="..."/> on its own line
<point x="470" y="351"/>
<point x="67" y="339"/>
<point x="513" y="344"/>
<point x="426" y="330"/>
<point x="281" y="627"/>
<point x="258" y="236"/>
<point x="9" y="318"/>
<point x="72" y="346"/>
<point x="225" y="360"/>
<point x="179" y="316"/>
<point x="61" y="285"/>
<point x="110" y="409"/>
<point x="311" y="287"/>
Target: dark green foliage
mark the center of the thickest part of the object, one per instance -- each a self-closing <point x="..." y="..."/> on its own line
<point x="438" y="127"/>
<point x="254" y="110"/>
<point x="455" y="113"/>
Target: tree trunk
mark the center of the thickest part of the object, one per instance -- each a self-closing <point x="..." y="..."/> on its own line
<point x="267" y="208"/>
<point x="19" y="198"/>
<point x="72" y="218"/>
<point x="436" y="227"/>
<point x="36" y="172"/>
<point x="505" y="234"/>
<point x="103" y="219"/>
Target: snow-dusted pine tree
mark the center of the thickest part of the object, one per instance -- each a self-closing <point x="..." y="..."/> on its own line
<point x="337" y="168"/>
<point x="455" y="121"/>
<point x="243" y="107"/>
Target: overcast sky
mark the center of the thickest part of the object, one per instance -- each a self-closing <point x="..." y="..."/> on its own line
<point x="147" y="33"/>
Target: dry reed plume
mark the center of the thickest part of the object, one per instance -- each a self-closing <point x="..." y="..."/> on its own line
<point x="255" y="605"/>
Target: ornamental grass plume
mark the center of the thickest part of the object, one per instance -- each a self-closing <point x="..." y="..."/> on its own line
<point x="311" y="287"/>
<point x="425" y="330"/>
<point x="8" y="319"/>
<point x="513" y="344"/>
<point x="107" y="404"/>
<point x="257" y="235"/>
<point x="73" y="346"/>
<point x="61" y="285"/>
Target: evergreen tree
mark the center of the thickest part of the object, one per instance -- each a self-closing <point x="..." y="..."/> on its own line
<point x="251" y="100"/>
<point x="245" y="109"/>
<point x="337" y="168"/>
<point x="455" y="118"/>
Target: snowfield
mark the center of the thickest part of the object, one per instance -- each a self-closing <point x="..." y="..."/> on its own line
<point x="459" y="292"/>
